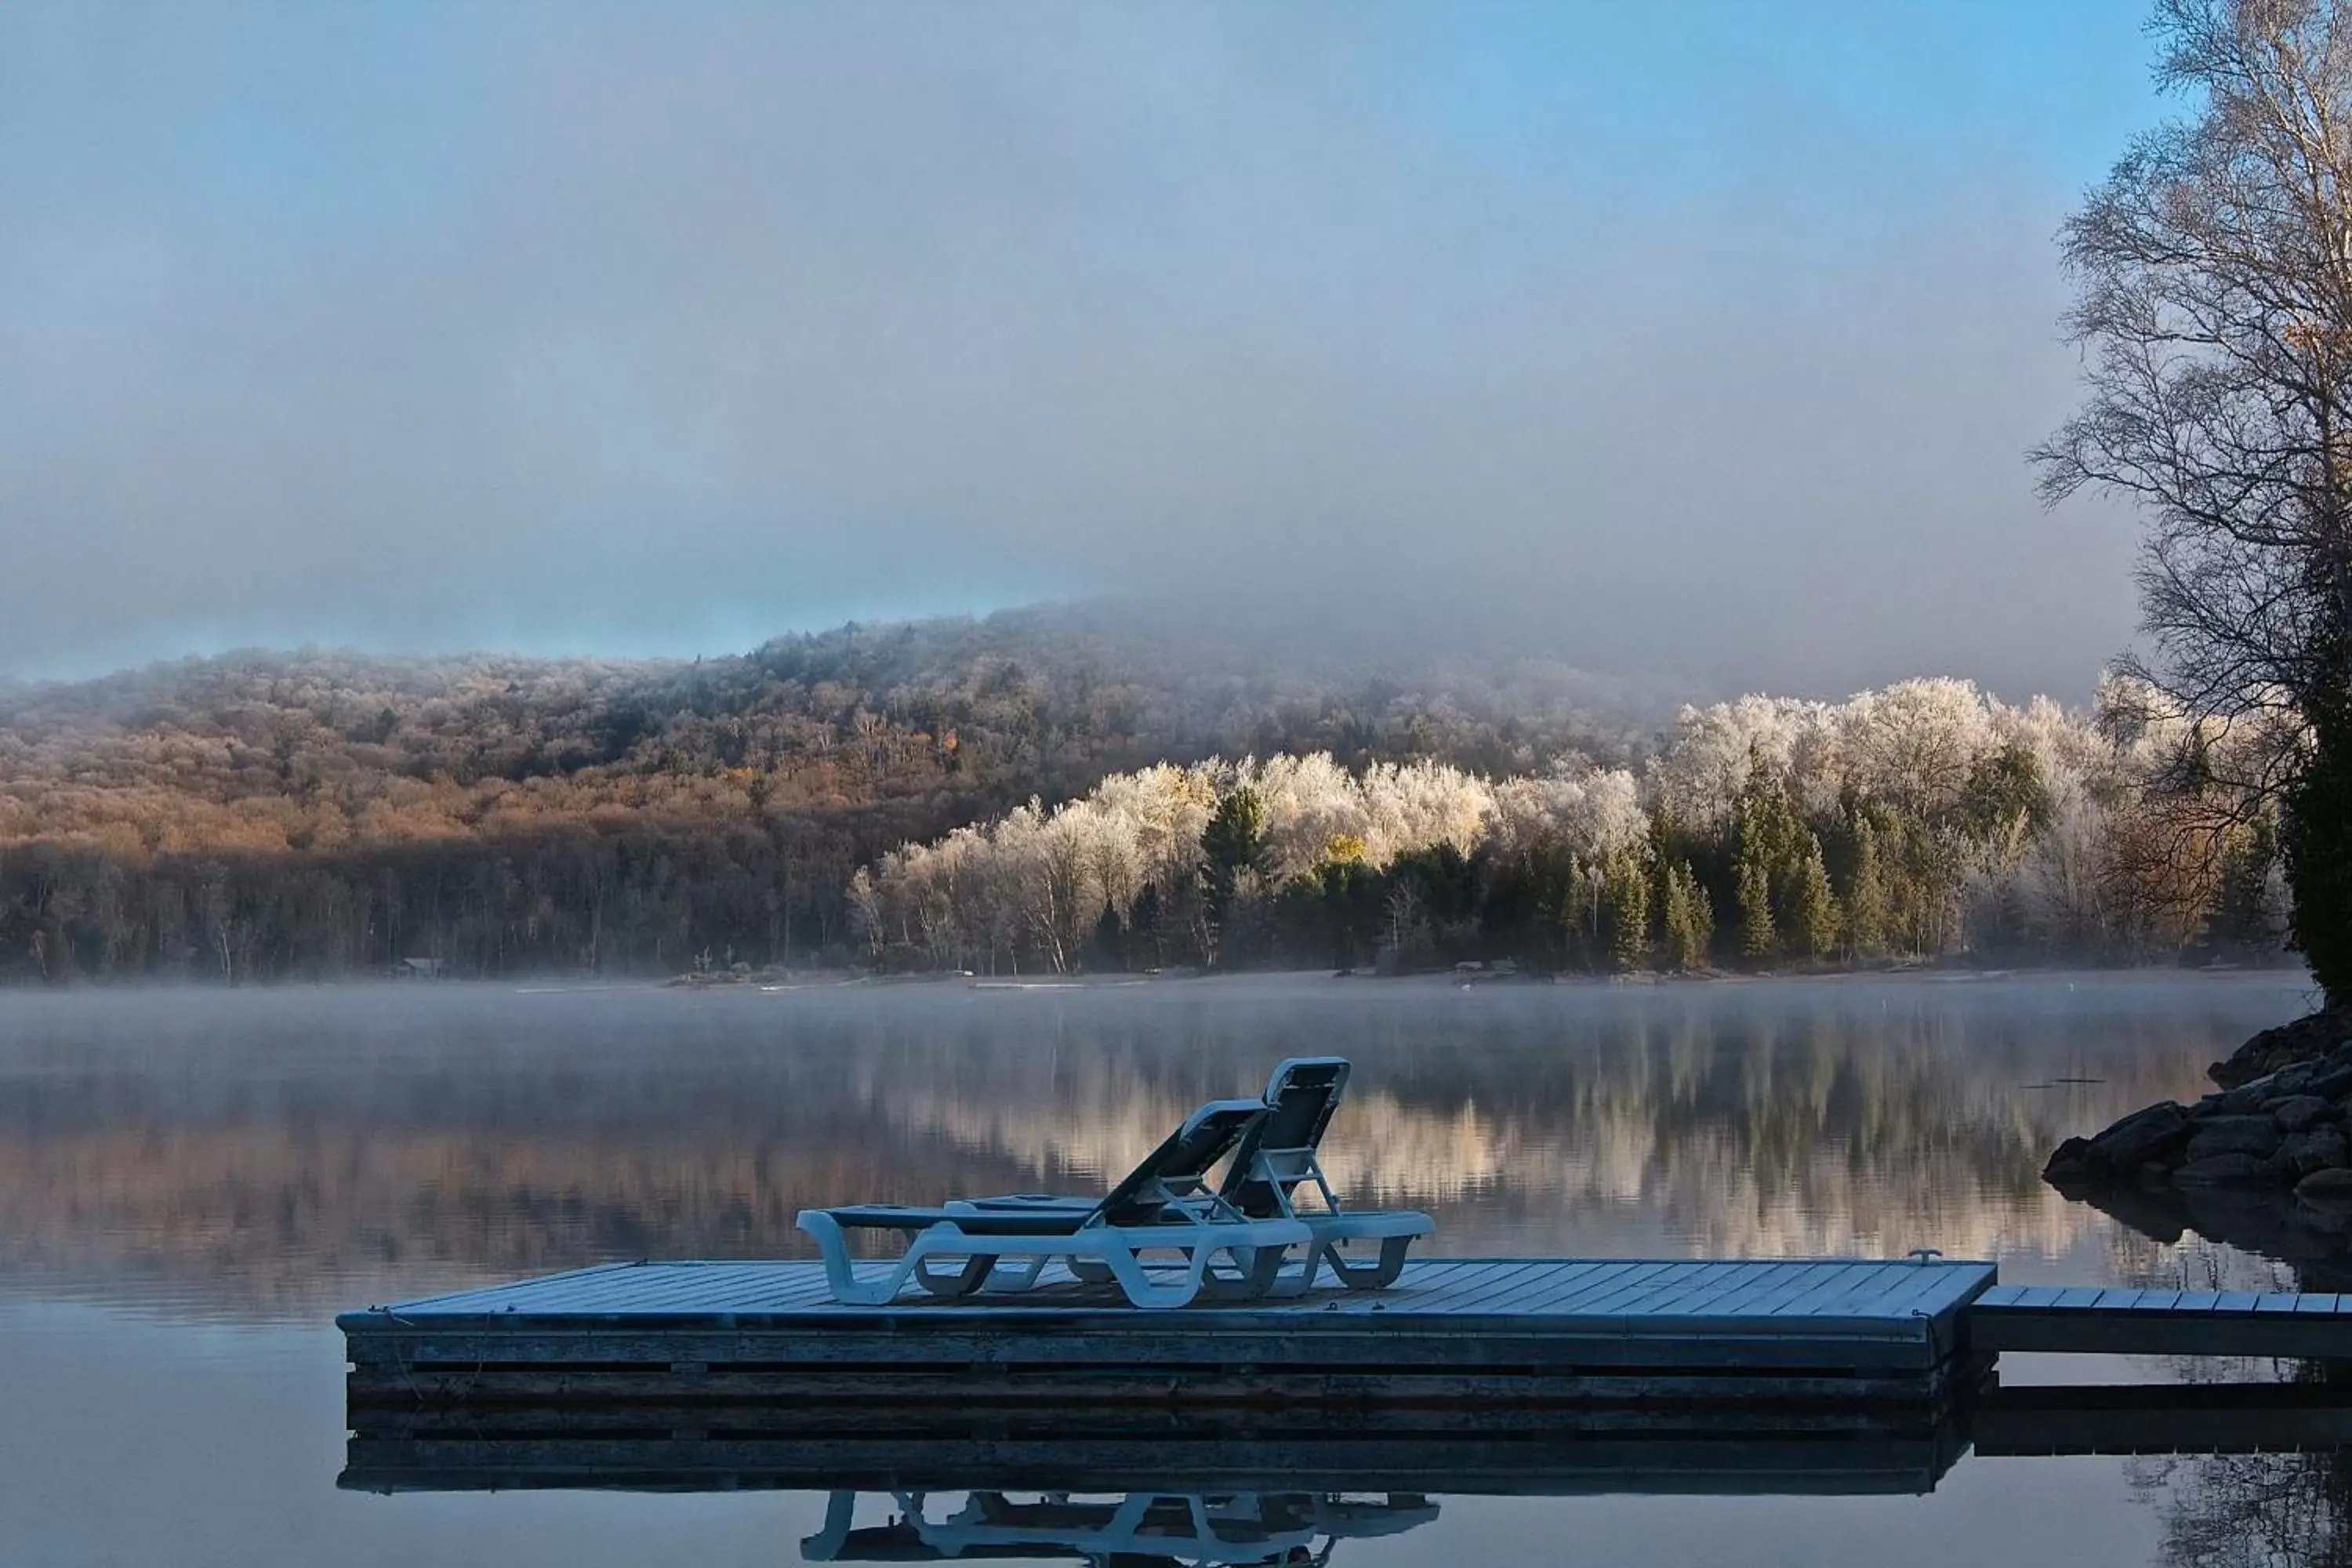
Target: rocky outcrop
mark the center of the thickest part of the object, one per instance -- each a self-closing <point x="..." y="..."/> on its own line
<point x="2307" y="1039"/>
<point x="2286" y="1129"/>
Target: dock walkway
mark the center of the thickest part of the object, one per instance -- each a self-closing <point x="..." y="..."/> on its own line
<point x="2120" y="1320"/>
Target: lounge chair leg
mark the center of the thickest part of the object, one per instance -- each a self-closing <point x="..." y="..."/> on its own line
<point x="840" y="1513"/>
<point x="1018" y="1276"/>
<point x="841" y="1274"/>
<point x="1142" y="1290"/>
<point x="1266" y="1269"/>
<point x="951" y="1283"/>
<point x="1374" y="1276"/>
<point x="1256" y="1270"/>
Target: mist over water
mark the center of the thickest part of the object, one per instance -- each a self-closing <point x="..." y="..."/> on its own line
<point x="191" y="1183"/>
<point x="260" y="1153"/>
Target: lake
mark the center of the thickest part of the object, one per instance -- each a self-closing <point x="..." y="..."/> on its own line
<point x="191" y="1183"/>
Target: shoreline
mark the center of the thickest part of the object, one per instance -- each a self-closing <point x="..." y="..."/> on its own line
<point x="845" y="984"/>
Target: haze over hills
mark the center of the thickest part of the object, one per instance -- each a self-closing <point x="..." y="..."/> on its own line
<point x="1067" y="787"/>
<point x="1043" y="700"/>
<point x="745" y="788"/>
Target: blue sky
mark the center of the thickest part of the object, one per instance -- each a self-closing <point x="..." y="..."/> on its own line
<point x="600" y="328"/>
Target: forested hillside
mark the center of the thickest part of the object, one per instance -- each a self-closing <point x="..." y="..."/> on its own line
<point x="275" y="815"/>
<point x="1920" y="822"/>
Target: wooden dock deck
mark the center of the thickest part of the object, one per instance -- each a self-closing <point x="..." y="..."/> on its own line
<point x="1474" y="1329"/>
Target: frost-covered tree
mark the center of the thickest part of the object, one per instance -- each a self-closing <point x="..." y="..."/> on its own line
<point x="1917" y="820"/>
<point x="2214" y="305"/>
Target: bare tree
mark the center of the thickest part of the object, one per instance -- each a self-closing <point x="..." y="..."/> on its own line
<point x="2214" y="268"/>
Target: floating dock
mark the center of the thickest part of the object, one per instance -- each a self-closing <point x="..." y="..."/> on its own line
<point x="1495" y="1375"/>
<point x="1497" y="1330"/>
<point x="1491" y="1331"/>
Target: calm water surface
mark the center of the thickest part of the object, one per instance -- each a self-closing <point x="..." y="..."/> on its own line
<point x="191" y="1184"/>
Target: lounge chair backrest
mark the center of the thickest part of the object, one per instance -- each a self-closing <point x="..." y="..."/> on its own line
<point x="1178" y="1170"/>
<point x="1280" y="1153"/>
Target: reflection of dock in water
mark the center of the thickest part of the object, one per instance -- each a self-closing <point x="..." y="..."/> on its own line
<point x="2163" y="1418"/>
<point x="1495" y="1452"/>
<point x="1229" y="1431"/>
<point x="1326" y="1452"/>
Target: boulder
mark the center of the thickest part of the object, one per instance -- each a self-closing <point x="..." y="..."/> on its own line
<point x="2331" y="1186"/>
<point x="2319" y="1149"/>
<point x="2222" y="1171"/>
<point x="2072" y="1164"/>
<point x="2295" y="1078"/>
<point x="2308" y="1039"/>
<point x="2255" y="1135"/>
<point x="2298" y="1112"/>
<point x="2156" y="1132"/>
<point x="2248" y="1097"/>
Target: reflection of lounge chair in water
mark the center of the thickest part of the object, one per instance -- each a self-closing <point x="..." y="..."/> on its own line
<point x="1163" y="1206"/>
<point x="1234" y="1530"/>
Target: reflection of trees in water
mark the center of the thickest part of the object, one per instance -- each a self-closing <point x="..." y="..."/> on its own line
<point x="287" y="1146"/>
<point x="2240" y="1510"/>
<point x="2250" y="1511"/>
<point x="1843" y="1123"/>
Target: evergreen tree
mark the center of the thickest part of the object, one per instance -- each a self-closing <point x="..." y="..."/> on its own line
<point x="2315" y="840"/>
<point x="1582" y="909"/>
<point x="1144" y="941"/>
<point x="1867" y="900"/>
<point x="1233" y="845"/>
<point x="1812" y="912"/>
<point x="1757" y="936"/>
<point x="1765" y="826"/>
<point x="1686" y="918"/>
<point x="1110" y="940"/>
<point x="1626" y="898"/>
<point x="1235" y="839"/>
<point x="2006" y="792"/>
<point x="1351" y="895"/>
<point x="2241" y="917"/>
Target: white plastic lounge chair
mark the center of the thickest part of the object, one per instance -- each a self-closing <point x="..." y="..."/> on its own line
<point x="1278" y="1156"/>
<point x="1162" y="1207"/>
<point x="1273" y="1160"/>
